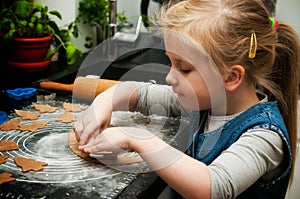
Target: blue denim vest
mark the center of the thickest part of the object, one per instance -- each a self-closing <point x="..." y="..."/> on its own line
<point x="208" y="146"/>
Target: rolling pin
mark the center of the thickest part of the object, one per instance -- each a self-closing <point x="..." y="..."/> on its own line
<point x="83" y="88"/>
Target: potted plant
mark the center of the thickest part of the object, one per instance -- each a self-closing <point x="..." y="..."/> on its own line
<point x="30" y="22"/>
<point x="95" y="13"/>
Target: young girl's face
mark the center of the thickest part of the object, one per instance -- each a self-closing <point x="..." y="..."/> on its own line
<point x="188" y="84"/>
<point x="194" y="76"/>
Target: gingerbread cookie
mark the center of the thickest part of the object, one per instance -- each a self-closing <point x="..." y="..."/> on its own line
<point x="3" y="159"/>
<point x="67" y="117"/>
<point x="32" y="126"/>
<point x="119" y="160"/>
<point x="29" y="164"/>
<point x="6" y="177"/>
<point x="43" y="108"/>
<point x="12" y="124"/>
<point x="8" y="145"/>
<point x="70" y="107"/>
<point x="27" y="115"/>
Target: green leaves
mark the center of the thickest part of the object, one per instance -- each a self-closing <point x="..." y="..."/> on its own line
<point x="38" y="6"/>
<point x="74" y="29"/>
<point x="50" y="54"/>
<point x="55" y="13"/>
<point x="22" y="23"/>
<point x="9" y="35"/>
<point x="94" y="12"/>
<point x="89" y="41"/>
<point x="64" y="35"/>
<point x="23" y="9"/>
<point x="39" y="29"/>
<point x="28" y="19"/>
<point x="72" y="53"/>
<point x="22" y="18"/>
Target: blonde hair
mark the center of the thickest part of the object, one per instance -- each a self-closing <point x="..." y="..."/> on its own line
<point x="224" y="27"/>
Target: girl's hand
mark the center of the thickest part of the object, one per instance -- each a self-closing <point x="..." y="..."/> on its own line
<point x="96" y="118"/>
<point x="113" y="139"/>
<point x="122" y="139"/>
<point x="93" y="120"/>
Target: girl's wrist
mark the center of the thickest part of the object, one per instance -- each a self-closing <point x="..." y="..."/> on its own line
<point x="157" y="153"/>
<point x="141" y="140"/>
<point x="146" y="143"/>
<point x="103" y="101"/>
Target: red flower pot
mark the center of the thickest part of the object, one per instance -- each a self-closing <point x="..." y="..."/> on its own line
<point x="29" y="49"/>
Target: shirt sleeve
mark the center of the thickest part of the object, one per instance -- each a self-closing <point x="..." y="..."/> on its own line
<point x="157" y="99"/>
<point x="256" y="153"/>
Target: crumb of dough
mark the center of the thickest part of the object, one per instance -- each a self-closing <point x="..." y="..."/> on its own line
<point x="29" y="164"/>
<point x="27" y="115"/>
<point x="164" y="131"/>
<point x="43" y="108"/>
<point x="8" y="145"/>
<point x="6" y="177"/>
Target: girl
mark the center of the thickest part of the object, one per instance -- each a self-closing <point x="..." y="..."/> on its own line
<point x="236" y="71"/>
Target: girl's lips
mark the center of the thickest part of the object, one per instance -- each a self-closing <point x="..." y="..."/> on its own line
<point x="176" y="92"/>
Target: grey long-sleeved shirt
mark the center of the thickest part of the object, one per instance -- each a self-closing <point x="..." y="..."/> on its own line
<point x="257" y="153"/>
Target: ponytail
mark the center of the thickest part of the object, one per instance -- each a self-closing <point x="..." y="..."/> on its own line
<point x="286" y="76"/>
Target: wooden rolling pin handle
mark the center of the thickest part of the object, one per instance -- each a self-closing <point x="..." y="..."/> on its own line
<point x="89" y="88"/>
<point x="83" y="88"/>
<point x="56" y="86"/>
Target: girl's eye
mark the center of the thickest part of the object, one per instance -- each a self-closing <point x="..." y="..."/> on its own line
<point x="185" y="70"/>
<point x="180" y="66"/>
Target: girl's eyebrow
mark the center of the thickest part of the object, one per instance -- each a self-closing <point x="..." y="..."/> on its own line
<point x="175" y="57"/>
<point x="178" y="59"/>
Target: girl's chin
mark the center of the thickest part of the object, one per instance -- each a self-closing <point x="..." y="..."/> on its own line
<point x="186" y="104"/>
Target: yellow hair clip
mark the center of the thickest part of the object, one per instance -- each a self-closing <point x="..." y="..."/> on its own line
<point x="253" y="45"/>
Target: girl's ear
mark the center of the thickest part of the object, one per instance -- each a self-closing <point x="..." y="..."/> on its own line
<point x="234" y="78"/>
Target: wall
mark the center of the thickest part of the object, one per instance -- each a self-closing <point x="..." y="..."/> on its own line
<point x="288" y="11"/>
<point x="68" y="9"/>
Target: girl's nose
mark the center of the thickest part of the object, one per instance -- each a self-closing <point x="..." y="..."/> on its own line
<point x="170" y="78"/>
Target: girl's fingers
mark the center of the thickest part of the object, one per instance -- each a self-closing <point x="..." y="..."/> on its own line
<point x="77" y="128"/>
<point x="93" y="146"/>
<point x="88" y="132"/>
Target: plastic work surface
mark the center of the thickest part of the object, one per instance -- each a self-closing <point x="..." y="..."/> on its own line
<point x="66" y="174"/>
